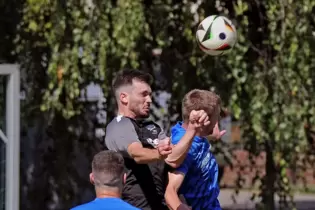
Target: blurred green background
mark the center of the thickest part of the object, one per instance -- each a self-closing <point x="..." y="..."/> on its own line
<point x="70" y="50"/>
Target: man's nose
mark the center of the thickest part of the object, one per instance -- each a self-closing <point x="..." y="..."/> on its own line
<point x="149" y="100"/>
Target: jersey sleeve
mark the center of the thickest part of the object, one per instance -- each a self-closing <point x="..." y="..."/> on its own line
<point x="120" y="134"/>
<point x="184" y="167"/>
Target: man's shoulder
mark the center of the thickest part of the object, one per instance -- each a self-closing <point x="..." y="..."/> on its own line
<point x="120" y="133"/>
<point x="119" y="120"/>
<point x="120" y="204"/>
<point x="177" y="132"/>
<point x="177" y="136"/>
<point x="106" y="204"/>
<point x="119" y="124"/>
<point x="86" y="206"/>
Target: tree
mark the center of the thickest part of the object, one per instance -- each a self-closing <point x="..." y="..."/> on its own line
<point x="267" y="79"/>
<point x="62" y="46"/>
<point x="259" y="79"/>
<point x="281" y="66"/>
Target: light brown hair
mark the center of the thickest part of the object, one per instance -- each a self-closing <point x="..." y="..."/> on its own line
<point x="199" y="100"/>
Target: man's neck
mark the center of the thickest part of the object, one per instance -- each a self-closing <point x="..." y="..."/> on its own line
<point x="125" y="112"/>
<point x="107" y="194"/>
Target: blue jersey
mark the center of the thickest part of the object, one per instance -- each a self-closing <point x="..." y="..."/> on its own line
<point x="106" y="204"/>
<point x="200" y="186"/>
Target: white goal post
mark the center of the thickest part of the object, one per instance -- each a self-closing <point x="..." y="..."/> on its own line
<point x="11" y="135"/>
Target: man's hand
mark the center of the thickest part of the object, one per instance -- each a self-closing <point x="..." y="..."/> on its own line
<point x="198" y="119"/>
<point x="183" y="207"/>
<point x="164" y="147"/>
<point x="216" y="134"/>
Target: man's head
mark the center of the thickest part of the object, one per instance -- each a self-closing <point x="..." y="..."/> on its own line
<point x="202" y="100"/>
<point x="133" y="92"/>
<point x="108" y="171"/>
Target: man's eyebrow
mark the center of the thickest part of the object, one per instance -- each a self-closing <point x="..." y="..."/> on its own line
<point x="146" y="91"/>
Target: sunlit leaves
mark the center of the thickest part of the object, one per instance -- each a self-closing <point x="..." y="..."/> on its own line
<point x="279" y="86"/>
<point x="267" y="79"/>
<point x="81" y="37"/>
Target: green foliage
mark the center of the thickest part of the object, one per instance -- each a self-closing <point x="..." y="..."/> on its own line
<point x="270" y="73"/>
<point x="273" y="93"/>
<point x="62" y="46"/>
<point x="267" y="79"/>
<point x="80" y="36"/>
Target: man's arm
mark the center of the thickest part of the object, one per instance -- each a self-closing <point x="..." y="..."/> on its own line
<point x="179" y="151"/>
<point x="175" y="180"/>
<point x="121" y="136"/>
<point x="143" y="155"/>
<point x="197" y="119"/>
<point x="171" y="196"/>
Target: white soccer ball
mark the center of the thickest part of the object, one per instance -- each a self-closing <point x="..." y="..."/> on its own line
<point x="216" y="35"/>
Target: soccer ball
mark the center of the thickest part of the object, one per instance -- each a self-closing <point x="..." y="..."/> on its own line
<point x="216" y="35"/>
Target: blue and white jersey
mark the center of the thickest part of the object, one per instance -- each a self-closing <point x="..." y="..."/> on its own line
<point x="200" y="186"/>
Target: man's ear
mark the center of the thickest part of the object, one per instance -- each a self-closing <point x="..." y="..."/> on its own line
<point x="123" y="97"/>
<point x="92" y="178"/>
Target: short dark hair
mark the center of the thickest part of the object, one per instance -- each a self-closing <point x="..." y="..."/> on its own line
<point x="126" y="77"/>
<point x="108" y="169"/>
<point x="199" y="100"/>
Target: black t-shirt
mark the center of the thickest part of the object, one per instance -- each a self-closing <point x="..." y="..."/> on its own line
<point x="145" y="183"/>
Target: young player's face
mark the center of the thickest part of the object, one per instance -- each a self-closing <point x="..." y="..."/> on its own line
<point x="140" y="99"/>
<point x="214" y="118"/>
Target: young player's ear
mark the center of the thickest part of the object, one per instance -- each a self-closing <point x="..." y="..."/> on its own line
<point x="92" y="178"/>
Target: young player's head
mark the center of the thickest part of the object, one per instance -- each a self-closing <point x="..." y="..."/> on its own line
<point x="202" y="100"/>
<point x="108" y="171"/>
<point x="133" y="92"/>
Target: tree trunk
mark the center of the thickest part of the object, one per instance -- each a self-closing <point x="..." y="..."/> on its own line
<point x="270" y="179"/>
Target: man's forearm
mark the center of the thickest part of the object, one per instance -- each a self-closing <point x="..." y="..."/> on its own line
<point x="145" y="155"/>
<point x="172" y="199"/>
<point x="180" y="150"/>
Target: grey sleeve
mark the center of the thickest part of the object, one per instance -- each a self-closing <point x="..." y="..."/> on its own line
<point x="120" y="134"/>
